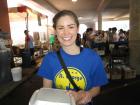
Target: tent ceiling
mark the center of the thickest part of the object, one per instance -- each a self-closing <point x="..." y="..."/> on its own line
<point x="88" y="10"/>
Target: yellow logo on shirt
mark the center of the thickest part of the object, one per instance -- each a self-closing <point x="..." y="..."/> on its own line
<point x="62" y="82"/>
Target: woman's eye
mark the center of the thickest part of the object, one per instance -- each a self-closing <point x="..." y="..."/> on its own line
<point x="71" y="27"/>
<point x="60" y="28"/>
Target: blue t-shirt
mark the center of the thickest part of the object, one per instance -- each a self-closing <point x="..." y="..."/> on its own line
<point x="85" y="68"/>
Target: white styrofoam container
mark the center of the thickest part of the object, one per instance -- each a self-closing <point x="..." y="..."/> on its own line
<point x="49" y="96"/>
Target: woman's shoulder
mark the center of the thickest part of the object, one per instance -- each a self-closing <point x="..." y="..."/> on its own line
<point x="51" y="54"/>
<point x="90" y="52"/>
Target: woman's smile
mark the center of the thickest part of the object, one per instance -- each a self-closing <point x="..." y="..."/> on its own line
<point x="67" y="38"/>
<point x="66" y="30"/>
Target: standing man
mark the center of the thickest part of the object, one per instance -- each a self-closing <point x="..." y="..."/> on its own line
<point x="29" y="43"/>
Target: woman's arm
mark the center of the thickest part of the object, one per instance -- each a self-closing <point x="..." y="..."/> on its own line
<point x="47" y="83"/>
<point x="94" y="91"/>
<point x="88" y="95"/>
<point x="83" y="97"/>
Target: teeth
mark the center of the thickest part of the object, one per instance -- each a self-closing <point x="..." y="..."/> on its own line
<point x="67" y="38"/>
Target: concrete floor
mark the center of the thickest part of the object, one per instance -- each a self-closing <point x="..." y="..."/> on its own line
<point x="21" y="95"/>
<point x="128" y="95"/>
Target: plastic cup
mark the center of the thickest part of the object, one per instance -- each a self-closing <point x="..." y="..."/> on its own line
<point x="16" y="73"/>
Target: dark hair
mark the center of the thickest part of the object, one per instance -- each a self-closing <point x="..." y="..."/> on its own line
<point x="25" y="31"/>
<point x="89" y="29"/>
<point x="65" y="13"/>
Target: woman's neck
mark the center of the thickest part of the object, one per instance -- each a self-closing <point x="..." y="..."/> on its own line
<point x="72" y="50"/>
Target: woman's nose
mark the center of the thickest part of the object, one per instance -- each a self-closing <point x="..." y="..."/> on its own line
<point x="66" y="31"/>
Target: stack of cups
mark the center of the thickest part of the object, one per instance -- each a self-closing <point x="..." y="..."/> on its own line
<point x="16" y="73"/>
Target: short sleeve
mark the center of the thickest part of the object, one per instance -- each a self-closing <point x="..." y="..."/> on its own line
<point x="99" y="76"/>
<point x="45" y="70"/>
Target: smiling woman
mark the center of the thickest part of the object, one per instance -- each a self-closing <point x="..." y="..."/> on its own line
<point x="83" y="64"/>
<point x="66" y="32"/>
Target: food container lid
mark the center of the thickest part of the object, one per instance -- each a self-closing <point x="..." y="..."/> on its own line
<point x="49" y="96"/>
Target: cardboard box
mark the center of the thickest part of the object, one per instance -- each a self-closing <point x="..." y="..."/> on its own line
<point x="129" y="73"/>
<point x="116" y="74"/>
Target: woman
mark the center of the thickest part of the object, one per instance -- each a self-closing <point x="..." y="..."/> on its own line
<point x="85" y="66"/>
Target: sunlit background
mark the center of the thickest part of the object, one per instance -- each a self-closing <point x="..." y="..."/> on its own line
<point x="19" y="38"/>
<point x="118" y="24"/>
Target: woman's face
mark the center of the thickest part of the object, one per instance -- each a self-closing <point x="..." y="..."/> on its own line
<point x="66" y="30"/>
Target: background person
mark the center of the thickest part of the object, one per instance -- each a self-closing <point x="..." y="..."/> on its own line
<point x="85" y="66"/>
<point x="29" y="46"/>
